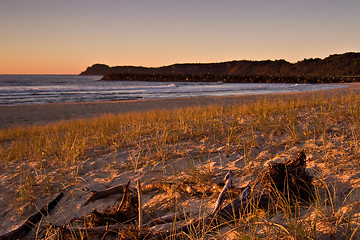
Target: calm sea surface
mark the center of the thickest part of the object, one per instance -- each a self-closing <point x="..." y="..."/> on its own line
<point x="34" y="89"/>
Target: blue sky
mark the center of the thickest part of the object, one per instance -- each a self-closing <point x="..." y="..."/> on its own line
<point x="65" y="36"/>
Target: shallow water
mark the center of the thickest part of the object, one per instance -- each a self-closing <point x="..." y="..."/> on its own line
<point x="33" y="89"/>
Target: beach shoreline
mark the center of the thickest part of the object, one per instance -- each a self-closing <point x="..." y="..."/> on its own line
<point x="190" y="150"/>
<point x="30" y="114"/>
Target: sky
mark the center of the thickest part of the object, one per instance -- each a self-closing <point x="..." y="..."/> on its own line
<point x="66" y="36"/>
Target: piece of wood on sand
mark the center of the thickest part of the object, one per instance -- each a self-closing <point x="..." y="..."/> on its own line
<point x="140" y="207"/>
<point x="228" y="185"/>
<point x="80" y="232"/>
<point x="101" y="230"/>
<point x="271" y="183"/>
<point x="125" y="196"/>
<point x="260" y="193"/>
<point x="24" y="229"/>
<point x="96" y="195"/>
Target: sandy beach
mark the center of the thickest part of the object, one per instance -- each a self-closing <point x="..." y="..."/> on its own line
<point x="46" y="113"/>
<point x="18" y="115"/>
<point x="184" y="174"/>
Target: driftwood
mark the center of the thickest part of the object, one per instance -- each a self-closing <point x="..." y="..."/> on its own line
<point x="24" y="229"/>
<point x="102" y="230"/>
<point x="125" y="196"/>
<point x="224" y="213"/>
<point x="110" y="215"/>
<point x="166" y="219"/>
<point x="286" y="179"/>
<point x="117" y="218"/>
<point x="94" y="230"/>
<point x="140" y="206"/>
<point x="229" y="213"/>
<point x="221" y="197"/>
<point x="96" y="195"/>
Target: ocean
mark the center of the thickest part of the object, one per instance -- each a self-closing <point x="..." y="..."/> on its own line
<point x="36" y="89"/>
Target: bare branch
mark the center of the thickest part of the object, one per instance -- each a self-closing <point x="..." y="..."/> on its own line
<point x="96" y="195"/>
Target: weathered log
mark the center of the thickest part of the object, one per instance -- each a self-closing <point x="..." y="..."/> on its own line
<point x="241" y="205"/>
<point x="124" y="198"/>
<point x="94" y="230"/>
<point x="229" y="212"/>
<point x="166" y="219"/>
<point x="24" y="229"/>
<point x="289" y="177"/>
<point x="221" y="197"/>
<point x="260" y="195"/>
<point x="101" y="230"/>
<point x="96" y="195"/>
<point x="140" y="206"/>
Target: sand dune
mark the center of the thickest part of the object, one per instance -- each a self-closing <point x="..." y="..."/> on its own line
<point x="333" y="164"/>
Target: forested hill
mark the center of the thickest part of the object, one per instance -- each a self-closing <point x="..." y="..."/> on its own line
<point x="347" y="64"/>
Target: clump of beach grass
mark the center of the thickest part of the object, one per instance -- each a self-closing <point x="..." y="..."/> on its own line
<point x="43" y="159"/>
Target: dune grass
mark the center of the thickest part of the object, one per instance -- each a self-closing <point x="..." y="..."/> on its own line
<point x="47" y="158"/>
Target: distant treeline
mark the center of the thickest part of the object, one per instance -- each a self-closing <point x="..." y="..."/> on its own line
<point x="227" y="78"/>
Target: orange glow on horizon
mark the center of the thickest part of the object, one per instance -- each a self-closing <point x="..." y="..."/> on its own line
<point x="64" y="37"/>
<point x="43" y="70"/>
